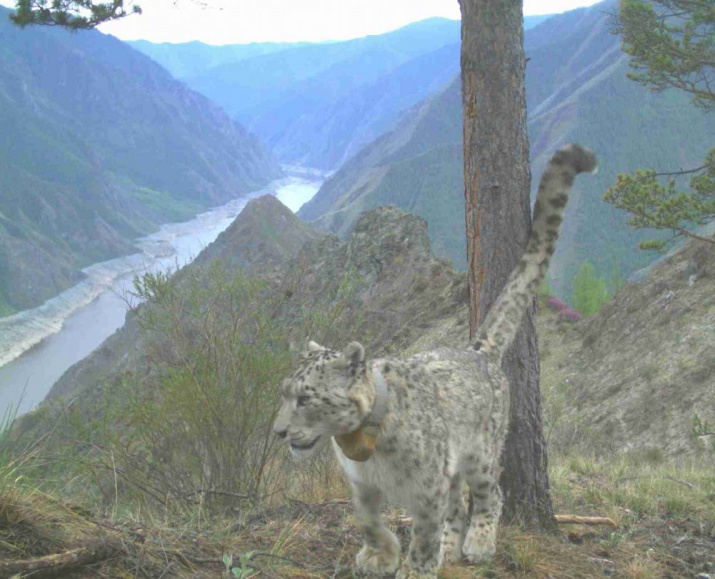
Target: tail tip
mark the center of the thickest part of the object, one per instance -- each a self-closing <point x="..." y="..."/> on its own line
<point x="581" y="158"/>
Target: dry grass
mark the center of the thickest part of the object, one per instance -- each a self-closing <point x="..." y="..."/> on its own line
<point x="666" y="529"/>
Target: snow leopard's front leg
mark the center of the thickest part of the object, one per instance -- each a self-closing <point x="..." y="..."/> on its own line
<point x="424" y="557"/>
<point x="381" y="549"/>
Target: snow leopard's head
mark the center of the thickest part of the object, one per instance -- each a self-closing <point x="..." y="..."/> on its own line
<point x="327" y="395"/>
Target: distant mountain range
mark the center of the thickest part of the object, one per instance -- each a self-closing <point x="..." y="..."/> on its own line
<point x="190" y="59"/>
<point x="316" y="105"/>
<point x="98" y="145"/>
<point x="577" y="90"/>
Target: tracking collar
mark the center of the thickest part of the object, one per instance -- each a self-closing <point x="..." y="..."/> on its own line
<point x="360" y="444"/>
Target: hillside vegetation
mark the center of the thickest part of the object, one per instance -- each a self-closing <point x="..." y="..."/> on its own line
<point x="577" y="90"/>
<point x="99" y="145"/>
<point x="169" y="465"/>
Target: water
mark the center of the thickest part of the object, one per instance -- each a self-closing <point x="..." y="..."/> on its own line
<point x="37" y="346"/>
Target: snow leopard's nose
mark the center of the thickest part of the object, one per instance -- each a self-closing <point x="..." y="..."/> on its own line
<point x="280" y="433"/>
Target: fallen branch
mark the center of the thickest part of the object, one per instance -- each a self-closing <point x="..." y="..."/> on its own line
<point x="219" y="493"/>
<point x="336" y="502"/>
<point x="59" y="561"/>
<point x="576" y="520"/>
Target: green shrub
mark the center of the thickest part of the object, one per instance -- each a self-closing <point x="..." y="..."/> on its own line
<point x="590" y="292"/>
<point x="191" y="424"/>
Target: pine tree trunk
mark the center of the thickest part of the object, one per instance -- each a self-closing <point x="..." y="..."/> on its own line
<point x="498" y="219"/>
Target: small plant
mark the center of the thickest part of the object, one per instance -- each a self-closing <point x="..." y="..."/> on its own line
<point x="614" y="539"/>
<point x="702" y="427"/>
<point x="243" y="570"/>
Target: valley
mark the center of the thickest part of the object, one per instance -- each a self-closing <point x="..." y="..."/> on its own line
<point x="38" y="346"/>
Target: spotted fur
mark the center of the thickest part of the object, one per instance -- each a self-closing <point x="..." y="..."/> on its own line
<point x="447" y="416"/>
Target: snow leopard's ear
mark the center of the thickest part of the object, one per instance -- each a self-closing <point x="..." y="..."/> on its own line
<point x="354" y="356"/>
<point x="312" y="346"/>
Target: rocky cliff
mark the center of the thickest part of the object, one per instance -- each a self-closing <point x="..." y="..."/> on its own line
<point x="401" y="289"/>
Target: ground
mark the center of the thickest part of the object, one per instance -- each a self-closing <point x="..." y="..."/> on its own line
<point x="664" y="512"/>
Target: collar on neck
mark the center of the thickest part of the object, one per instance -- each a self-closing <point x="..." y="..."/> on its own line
<point x="379" y="406"/>
<point x="360" y="445"/>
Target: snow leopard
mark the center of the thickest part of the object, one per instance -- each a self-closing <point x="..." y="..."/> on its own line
<point x="412" y="431"/>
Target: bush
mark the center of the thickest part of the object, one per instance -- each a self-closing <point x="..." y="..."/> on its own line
<point x="564" y="312"/>
<point x="192" y="425"/>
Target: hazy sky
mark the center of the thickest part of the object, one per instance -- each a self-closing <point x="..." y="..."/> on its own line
<point x="239" y="21"/>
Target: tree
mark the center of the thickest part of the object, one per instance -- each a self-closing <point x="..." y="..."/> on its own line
<point x="590" y="292"/>
<point x="672" y="45"/>
<point x="71" y="14"/>
<point x="657" y="205"/>
<point x="498" y="219"/>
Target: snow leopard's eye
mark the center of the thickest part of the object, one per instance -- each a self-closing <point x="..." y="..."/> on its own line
<point x="302" y="400"/>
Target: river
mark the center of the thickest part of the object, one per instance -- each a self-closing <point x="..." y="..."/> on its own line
<point x="37" y="346"/>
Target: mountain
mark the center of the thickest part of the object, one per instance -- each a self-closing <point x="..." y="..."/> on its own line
<point x="330" y="133"/>
<point x="301" y="77"/>
<point x="317" y="105"/>
<point x="577" y="90"/>
<point x="189" y="59"/>
<point x="98" y="145"/>
<point x="265" y="235"/>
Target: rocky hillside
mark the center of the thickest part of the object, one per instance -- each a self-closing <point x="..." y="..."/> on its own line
<point x="98" y="146"/>
<point x="634" y="375"/>
<point x="577" y="90"/>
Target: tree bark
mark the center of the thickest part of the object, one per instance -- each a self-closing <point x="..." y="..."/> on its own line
<point x="498" y="220"/>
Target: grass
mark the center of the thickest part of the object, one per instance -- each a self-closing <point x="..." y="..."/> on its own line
<point x="664" y="509"/>
<point x="629" y="487"/>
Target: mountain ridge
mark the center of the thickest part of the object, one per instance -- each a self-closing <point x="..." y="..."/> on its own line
<point x="627" y="126"/>
<point x="99" y="146"/>
<point x="315" y="104"/>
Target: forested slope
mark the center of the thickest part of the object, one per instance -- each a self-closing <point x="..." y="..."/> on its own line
<point x="98" y="145"/>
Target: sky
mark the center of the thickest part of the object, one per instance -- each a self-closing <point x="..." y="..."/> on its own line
<point x="243" y="21"/>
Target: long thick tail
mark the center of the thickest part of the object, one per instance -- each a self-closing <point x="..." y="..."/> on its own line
<point x="497" y="332"/>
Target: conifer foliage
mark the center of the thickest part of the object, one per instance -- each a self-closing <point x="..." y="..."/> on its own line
<point x="672" y="45"/>
<point x="71" y="14"/>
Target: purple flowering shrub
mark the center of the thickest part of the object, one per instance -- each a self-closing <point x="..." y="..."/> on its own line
<point x="564" y="312"/>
